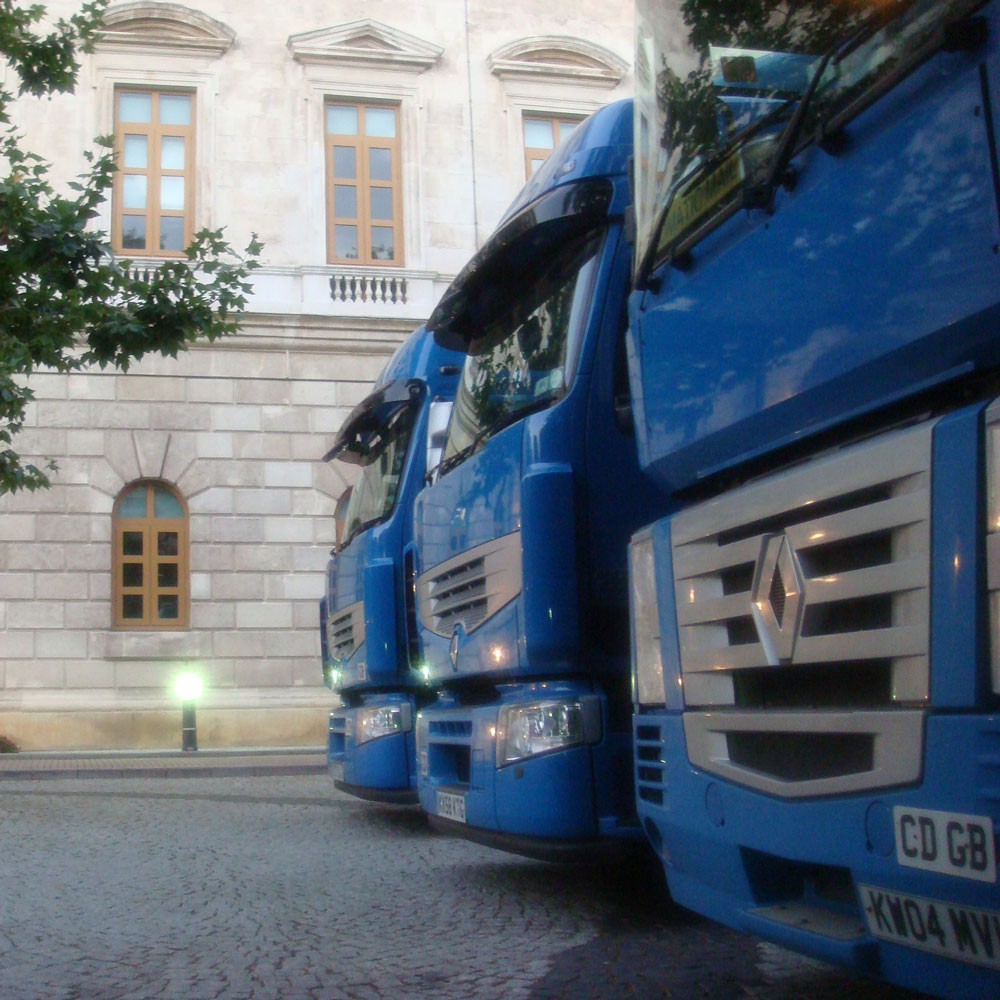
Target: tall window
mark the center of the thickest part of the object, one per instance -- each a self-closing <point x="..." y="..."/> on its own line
<point x="151" y="587"/>
<point x="153" y="189"/>
<point x="542" y="133"/>
<point x="364" y="195"/>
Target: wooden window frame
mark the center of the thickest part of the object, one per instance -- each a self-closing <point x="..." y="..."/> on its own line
<point x="155" y="132"/>
<point x="362" y="143"/>
<point x="539" y="152"/>
<point x="150" y="559"/>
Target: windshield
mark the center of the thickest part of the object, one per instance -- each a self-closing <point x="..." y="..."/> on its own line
<point x="523" y="359"/>
<point x="374" y="493"/>
<point x="719" y="85"/>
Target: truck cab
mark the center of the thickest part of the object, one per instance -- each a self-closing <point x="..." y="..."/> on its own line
<point x="815" y="361"/>
<point x="370" y="643"/>
<point x="521" y="537"/>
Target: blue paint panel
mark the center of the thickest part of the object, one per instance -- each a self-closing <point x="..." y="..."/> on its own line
<point x="758" y="345"/>
<point x="548" y="796"/>
<point x="382" y="763"/>
<point x="548" y="531"/>
<point x="381" y="626"/>
<point x="670" y="646"/>
<point x="959" y="654"/>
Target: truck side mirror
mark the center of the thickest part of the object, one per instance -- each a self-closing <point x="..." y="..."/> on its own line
<point x="340" y="517"/>
<point x="438" y="415"/>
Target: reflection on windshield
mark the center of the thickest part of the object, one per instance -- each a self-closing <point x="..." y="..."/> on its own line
<point x="523" y="360"/>
<point x="719" y="82"/>
<point x="374" y="494"/>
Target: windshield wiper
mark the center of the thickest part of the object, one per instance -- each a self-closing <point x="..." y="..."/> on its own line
<point x="761" y="194"/>
<point x="956" y="32"/>
<point x="503" y="422"/>
<point x="364" y="526"/>
<point x="679" y="253"/>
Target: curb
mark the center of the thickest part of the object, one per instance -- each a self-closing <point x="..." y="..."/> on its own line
<point x="163" y="764"/>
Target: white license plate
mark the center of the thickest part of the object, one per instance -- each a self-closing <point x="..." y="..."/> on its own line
<point x="944" y="842"/>
<point x="962" y="932"/>
<point x="451" y="806"/>
<point x="335" y="769"/>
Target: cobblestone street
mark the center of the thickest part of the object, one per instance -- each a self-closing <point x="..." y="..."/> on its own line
<point x="282" y="887"/>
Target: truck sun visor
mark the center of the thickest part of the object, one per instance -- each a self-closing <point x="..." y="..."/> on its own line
<point x="359" y="438"/>
<point x="514" y="249"/>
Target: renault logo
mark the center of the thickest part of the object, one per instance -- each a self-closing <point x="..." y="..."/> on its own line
<point x="777" y="597"/>
<point x="453" y="650"/>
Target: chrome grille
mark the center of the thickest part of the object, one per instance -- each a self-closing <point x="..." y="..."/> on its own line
<point x="346" y="630"/>
<point x="649" y="775"/>
<point x="457" y="728"/>
<point x="802" y="611"/>
<point x="460" y="596"/>
<point x="338" y="734"/>
<point x="471" y="587"/>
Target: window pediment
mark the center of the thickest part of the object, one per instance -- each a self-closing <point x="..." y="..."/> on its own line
<point x="365" y="43"/>
<point x="151" y="24"/>
<point x="557" y="58"/>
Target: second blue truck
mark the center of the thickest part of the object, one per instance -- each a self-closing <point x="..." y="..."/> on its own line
<point x="521" y="539"/>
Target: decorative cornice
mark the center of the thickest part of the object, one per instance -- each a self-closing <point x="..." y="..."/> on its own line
<point x="152" y="24"/>
<point x="558" y="58"/>
<point x="365" y="43"/>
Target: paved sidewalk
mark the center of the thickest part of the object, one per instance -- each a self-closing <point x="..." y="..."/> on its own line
<point x="252" y="762"/>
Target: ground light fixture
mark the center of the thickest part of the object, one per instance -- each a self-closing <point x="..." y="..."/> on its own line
<point x="188" y="687"/>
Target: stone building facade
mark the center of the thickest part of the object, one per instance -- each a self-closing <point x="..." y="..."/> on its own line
<point x="239" y="114"/>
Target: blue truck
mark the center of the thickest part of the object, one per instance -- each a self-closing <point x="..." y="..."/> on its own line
<point x="371" y="649"/>
<point x="814" y="349"/>
<point x="521" y="539"/>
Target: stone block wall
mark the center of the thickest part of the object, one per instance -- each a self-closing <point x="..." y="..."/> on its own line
<point x="239" y="432"/>
<point x="238" y="427"/>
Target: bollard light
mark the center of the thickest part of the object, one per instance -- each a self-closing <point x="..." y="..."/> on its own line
<point x="188" y="687"/>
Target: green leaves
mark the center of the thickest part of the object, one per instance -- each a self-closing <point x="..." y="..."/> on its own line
<point x="66" y="303"/>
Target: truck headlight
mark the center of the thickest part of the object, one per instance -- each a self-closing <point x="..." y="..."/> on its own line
<point x="532" y="728"/>
<point x="993" y="535"/>
<point x="647" y="658"/>
<point x="371" y="723"/>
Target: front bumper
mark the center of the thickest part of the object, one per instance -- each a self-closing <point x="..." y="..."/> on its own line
<point x="792" y="871"/>
<point x="553" y="805"/>
<point x="378" y="770"/>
